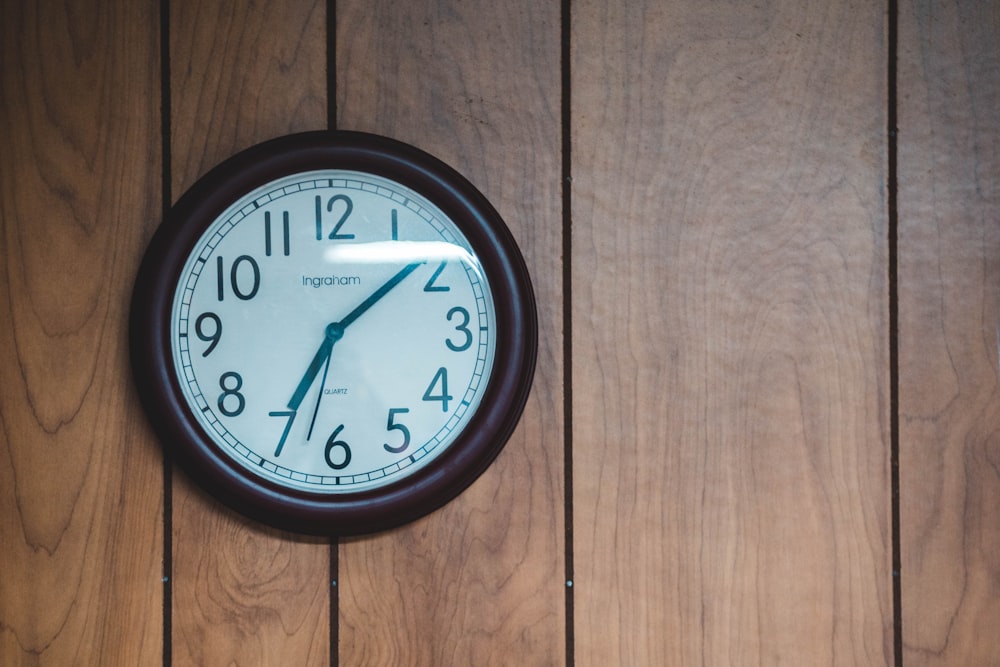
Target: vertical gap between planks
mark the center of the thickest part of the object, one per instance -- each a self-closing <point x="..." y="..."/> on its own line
<point x="334" y="603"/>
<point x="567" y="280"/>
<point x="331" y="64"/>
<point x="892" y="193"/>
<point x="331" y="124"/>
<point x="167" y="196"/>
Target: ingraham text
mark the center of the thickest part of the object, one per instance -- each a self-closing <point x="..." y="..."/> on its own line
<point x="330" y="281"/>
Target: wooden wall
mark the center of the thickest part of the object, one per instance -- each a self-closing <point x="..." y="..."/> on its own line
<point x="765" y="425"/>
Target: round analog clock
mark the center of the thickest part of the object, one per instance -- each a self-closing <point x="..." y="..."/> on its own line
<point x="333" y="333"/>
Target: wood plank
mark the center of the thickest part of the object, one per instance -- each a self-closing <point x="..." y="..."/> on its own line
<point x="479" y="582"/>
<point x="730" y="364"/>
<point x="949" y="310"/>
<point x="243" y="73"/>
<point x="80" y="475"/>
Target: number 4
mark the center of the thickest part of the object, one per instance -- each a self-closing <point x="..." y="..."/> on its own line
<point x="440" y="377"/>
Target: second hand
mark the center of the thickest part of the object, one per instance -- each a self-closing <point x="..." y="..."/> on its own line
<point x="319" y="396"/>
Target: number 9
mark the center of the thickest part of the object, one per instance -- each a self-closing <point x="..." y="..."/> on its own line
<point x="212" y="337"/>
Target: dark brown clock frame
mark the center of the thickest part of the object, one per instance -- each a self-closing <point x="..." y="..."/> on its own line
<point x="373" y="510"/>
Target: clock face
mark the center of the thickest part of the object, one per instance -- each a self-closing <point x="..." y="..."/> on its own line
<point x="333" y="333"/>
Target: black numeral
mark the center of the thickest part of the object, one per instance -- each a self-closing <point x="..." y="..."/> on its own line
<point x="214" y="336"/>
<point x="335" y="234"/>
<point x="392" y="425"/>
<point x="237" y="382"/>
<point x="462" y="326"/>
<point x="234" y="277"/>
<point x="331" y="444"/>
<point x="431" y="285"/>
<point x="441" y="377"/>
<point x="267" y="233"/>
<point x="290" y="415"/>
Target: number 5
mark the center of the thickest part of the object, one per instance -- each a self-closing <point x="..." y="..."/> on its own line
<point x="390" y="426"/>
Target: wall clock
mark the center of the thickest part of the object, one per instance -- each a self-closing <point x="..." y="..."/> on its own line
<point x="333" y="333"/>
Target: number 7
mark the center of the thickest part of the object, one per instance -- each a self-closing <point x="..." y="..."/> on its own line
<point x="288" y="427"/>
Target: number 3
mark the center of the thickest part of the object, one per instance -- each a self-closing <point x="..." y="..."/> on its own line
<point x="463" y="327"/>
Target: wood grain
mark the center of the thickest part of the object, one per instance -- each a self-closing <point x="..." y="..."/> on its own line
<point x="949" y="314"/>
<point x="730" y="363"/>
<point x="80" y="501"/>
<point x="243" y="73"/>
<point x="480" y="581"/>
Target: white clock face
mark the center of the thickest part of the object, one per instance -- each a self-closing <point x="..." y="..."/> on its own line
<point x="333" y="331"/>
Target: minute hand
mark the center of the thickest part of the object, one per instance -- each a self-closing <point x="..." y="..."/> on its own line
<point x="378" y="294"/>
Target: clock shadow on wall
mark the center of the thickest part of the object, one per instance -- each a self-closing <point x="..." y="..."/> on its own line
<point x="333" y="333"/>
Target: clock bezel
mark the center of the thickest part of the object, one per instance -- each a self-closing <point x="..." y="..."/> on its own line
<point x="261" y="498"/>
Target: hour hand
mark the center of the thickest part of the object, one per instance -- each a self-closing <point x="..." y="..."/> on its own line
<point x="333" y="333"/>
